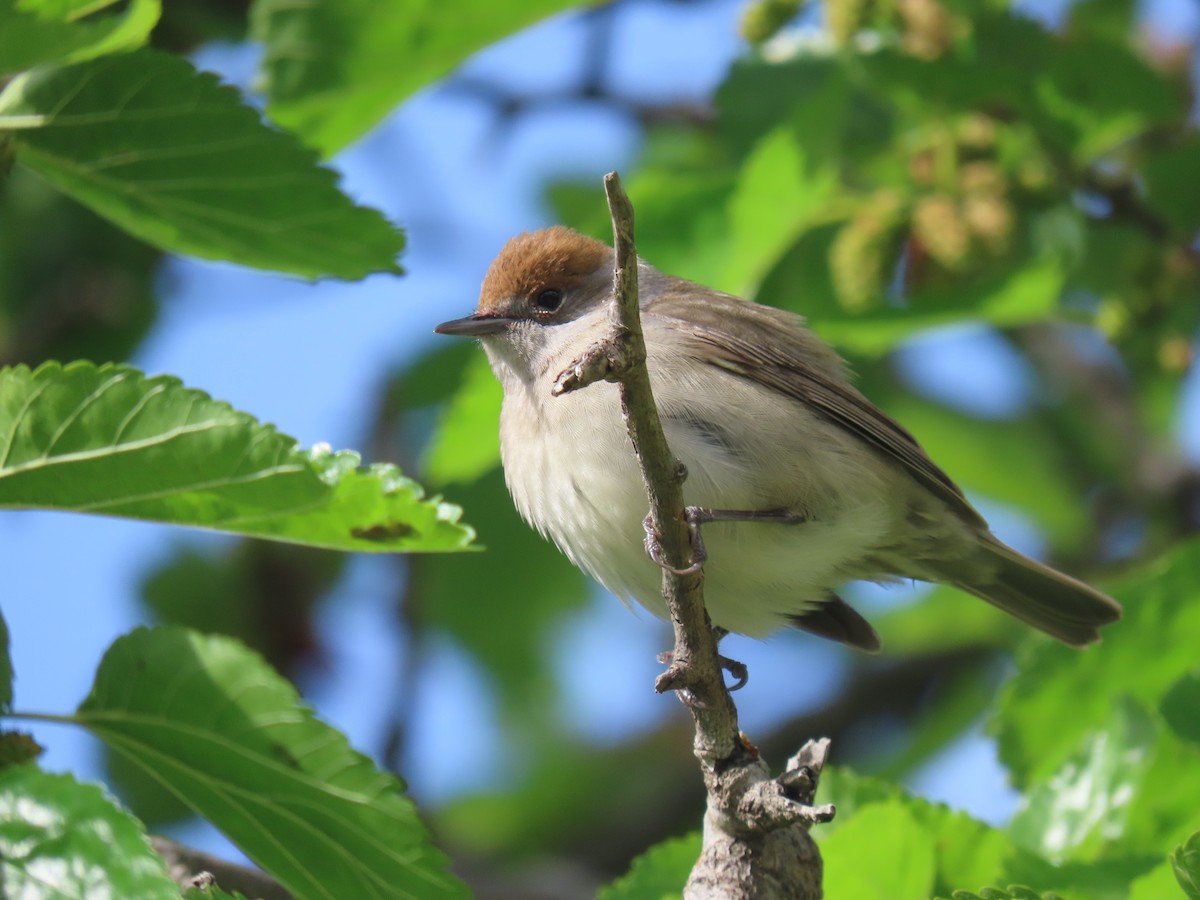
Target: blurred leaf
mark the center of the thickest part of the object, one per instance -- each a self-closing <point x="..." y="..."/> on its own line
<point x="1185" y="861"/>
<point x="60" y="838"/>
<point x="262" y="593"/>
<point x="1156" y="885"/>
<point x="466" y="442"/>
<point x="501" y="604"/>
<point x="208" y="718"/>
<point x="1172" y="187"/>
<point x="1104" y="94"/>
<point x="946" y="618"/>
<point x="954" y="706"/>
<point x="34" y="32"/>
<point x="881" y="852"/>
<point x="333" y="70"/>
<point x="110" y="440"/>
<point x="811" y="94"/>
<point x="6" y="669"/>
<point x="436" y="376"/>
<point x="777" y="192"/>
<point x="658" y="874"/>
<point x="801" y="281"/>
<point x="176" y="158"/>
<point x="538" y="813"/>
<point x="1060" y="694"/>
<point x="1181" y="706"/>
<point x="72" y="285"/>
<point x="1107" y="878"/>
<point x="1109" y="18"/>
<point x="1163" y="812"/>
<point x="1085" y="804"/>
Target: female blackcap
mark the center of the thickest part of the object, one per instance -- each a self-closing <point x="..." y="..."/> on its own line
<point x="763" y="415"/>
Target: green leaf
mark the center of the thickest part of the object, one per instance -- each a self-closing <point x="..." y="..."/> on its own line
<point x="1160" y="882"/>
<point x="466" y="441"/>
<point x="1014" y="892"/>
<point x="658" y="874"/>
<point x="882" y="852"/>
<point x="1185" y="862"/>
<point x="801" y="281"/>
<point x="6" y="669"/>
<point x="1060" y="694"/>
<point x="60" y="838"/>
<point x="778" y="190"/>
<point x="965" y="851"/>
<point x="333" y="70"/>
<point x="1102" y="94"/>
<point x="1085" y="805"/>
<point x="500" y="605"/>
<point x="1172" y="187"/>
<point x="177" y="159"/>
<point x="110" y="440"/>
<point x="210" y="720"/>
<point x="1181" y="706"/>
<point x="32" y="33"/>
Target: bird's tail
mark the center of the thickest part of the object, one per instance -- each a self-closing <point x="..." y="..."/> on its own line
<point x="1059" y="605"/>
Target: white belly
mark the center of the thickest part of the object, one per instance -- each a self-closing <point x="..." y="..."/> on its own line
<point x="577" y="481"/>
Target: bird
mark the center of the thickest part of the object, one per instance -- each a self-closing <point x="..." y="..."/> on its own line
<point x="809" y="484"/>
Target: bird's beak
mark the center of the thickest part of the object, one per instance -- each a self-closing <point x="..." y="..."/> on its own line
<point x="474" y="326"/>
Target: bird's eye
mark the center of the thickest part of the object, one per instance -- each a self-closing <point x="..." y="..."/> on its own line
<point x="548" y="300"/>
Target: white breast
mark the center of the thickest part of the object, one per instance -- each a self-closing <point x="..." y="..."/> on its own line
<point x="571" y="471"/>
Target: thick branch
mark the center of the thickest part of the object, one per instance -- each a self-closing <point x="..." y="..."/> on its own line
<point x="756" y="842"/>
<point x="193" y="868"/>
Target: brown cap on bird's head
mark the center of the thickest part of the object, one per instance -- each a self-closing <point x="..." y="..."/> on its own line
<point x="534" y="260"/>
<point x="530" y="266"/>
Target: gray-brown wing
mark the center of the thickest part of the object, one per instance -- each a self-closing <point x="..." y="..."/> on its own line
<point x="760" y="343"/>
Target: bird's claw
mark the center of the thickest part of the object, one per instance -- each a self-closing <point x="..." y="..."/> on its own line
<point x="694" y="518"/>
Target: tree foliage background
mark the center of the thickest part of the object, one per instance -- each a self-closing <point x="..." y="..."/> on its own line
<point x="887" y="169"/>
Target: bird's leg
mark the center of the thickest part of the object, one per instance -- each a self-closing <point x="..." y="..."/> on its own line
<point x="701" y="515"/>
<point x="697" y="516"/>
<point x="736" y="668"/>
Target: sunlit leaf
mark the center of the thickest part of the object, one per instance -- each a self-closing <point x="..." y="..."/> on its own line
<point x="657" y="874"/>
<point x="210" y="720"/>
<point x="881" y="852"/>
<point x="333" y="70"/>
<point x="179" y="160"/>
<point x="466" y="442"/>
<point x="1060" y="694"/>
<point x="33" y="32"/>
<point x="1185" y="862"/>
<point x="1156" y="885"/>
<point x="107" y="439"/>
<point x="778" y="190"/>
<point x="61" y="838"/>
<point x="1085" y="804"/>
<point x="964" y="851"/>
